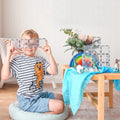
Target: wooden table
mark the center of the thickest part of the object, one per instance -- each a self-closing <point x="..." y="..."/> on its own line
<point x="100" y="78"/>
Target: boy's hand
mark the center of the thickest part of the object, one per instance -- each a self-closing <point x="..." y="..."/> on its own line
<point x="47" y="49"/>
<point x="11" y="49"/>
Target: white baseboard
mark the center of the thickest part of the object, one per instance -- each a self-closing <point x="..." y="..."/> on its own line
<point x="1" y="83"/>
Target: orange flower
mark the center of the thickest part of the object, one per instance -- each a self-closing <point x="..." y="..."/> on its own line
<point x="89" y="40"/>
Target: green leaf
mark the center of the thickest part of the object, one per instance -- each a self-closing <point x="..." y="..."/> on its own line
<point x="73" y="51"/>
<point x="79" y="48"/>
<point x="67" y="31"/>
<point x="66" y="45"/>
<point x="67" y="49"/>
<point x="73" y="42"/>
<point x="75" y="35"/>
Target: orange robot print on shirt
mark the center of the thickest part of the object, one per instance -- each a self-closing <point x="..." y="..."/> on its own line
<point x="38" y="72"/>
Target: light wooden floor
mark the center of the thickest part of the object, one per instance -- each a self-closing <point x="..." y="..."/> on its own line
<point x="7" y="96"/>
<point x="85" y="112"/>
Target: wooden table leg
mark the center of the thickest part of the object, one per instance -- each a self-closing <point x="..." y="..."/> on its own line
<point x="101" y="81"/>
<point x="110" y="97"/>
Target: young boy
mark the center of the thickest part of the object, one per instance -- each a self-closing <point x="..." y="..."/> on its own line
<point x="29" y="71"/>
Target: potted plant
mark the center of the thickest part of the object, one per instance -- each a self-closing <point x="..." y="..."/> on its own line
<point x="76" y="41"/>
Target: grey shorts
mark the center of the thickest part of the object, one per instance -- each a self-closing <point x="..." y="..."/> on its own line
<point x="38" y="103"/>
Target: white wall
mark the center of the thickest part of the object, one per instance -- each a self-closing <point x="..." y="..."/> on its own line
<point x="0" y="36"/>
<point x="0" y="21"/>
<point x="0" y="18"/>
<point x="93" y="17"/>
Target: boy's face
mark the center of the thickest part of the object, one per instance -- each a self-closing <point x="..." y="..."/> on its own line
<point x="29" y="45"/>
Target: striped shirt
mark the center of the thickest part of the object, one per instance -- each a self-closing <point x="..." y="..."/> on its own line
<point x="29" y="72"/>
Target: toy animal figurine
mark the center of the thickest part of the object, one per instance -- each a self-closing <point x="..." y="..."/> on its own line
<point x="39" y="73"/>
<point x="117" y="64"/>
<point x="80" y="68"/>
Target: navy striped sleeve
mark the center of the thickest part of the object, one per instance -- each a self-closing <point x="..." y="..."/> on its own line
<point x="14" y="67"/>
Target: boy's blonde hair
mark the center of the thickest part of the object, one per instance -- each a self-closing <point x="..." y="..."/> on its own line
<point x="31" y="33"/>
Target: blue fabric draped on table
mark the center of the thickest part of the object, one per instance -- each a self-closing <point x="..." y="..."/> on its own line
<point x="75" y="83"/>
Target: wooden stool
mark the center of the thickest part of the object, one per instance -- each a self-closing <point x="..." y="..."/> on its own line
<point x="99" y="104"/>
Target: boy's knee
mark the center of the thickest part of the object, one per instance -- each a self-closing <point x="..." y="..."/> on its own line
<point x="56" y="106"/>
<point x="60" y="108"/>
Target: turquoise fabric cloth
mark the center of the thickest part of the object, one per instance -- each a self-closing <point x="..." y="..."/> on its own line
<point x="75" y="83"/>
